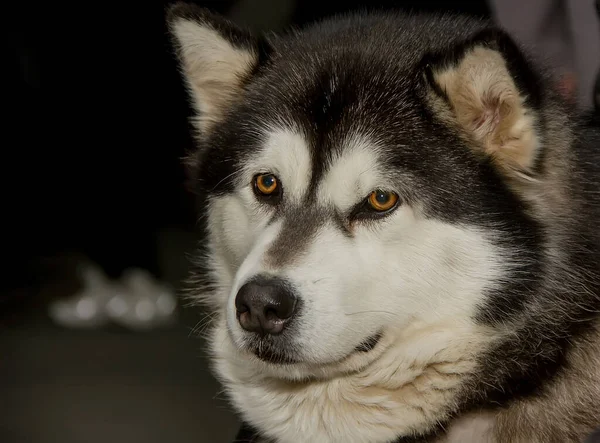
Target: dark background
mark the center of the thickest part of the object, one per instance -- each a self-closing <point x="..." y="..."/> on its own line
<point x="94" y="127"/>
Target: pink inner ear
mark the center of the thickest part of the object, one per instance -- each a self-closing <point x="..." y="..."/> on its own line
<point x="488" y="120"/>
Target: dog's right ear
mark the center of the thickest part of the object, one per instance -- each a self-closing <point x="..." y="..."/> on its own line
<point x="217" y="58"/>
<point x="489" y="91"/>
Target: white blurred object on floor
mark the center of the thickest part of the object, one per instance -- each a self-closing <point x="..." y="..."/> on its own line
<point x="138" y="301"/>
<point x="85" y="309"/>
<point x="141" y="302"/>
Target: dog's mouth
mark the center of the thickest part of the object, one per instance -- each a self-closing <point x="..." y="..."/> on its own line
<point x="270" y="355"/>
<point x="267" y="352"/>
<point x="369" y="344"/>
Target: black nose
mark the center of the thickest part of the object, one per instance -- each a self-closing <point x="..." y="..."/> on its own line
<point x="265" y="305"/>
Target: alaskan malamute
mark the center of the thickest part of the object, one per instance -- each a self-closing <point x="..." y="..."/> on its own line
<point x="401" y="231"/>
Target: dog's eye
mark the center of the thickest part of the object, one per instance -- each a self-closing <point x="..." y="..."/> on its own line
<point x="382" y="201"/>
<point x="266" y="185"/>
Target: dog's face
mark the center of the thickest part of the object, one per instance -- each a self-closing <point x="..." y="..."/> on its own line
<point x="354" y="186"/>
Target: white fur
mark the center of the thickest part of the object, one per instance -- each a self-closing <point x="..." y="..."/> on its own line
<point x="472" y="428"/>
<point x="407" y="386"/>
<point x="417" y="280"/>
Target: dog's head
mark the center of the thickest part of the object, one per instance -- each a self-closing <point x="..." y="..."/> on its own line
<point x="359" y="178"/>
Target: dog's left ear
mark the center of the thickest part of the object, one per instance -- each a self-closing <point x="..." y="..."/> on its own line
<point x="487" y="89"/>
<point x="217" y="57"/>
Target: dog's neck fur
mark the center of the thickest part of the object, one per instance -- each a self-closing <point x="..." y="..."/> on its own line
<point x="414" y="386"/>
<point x="536" y="420"/>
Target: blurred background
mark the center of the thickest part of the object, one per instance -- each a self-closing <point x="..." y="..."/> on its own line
<point x="96" y="344"/>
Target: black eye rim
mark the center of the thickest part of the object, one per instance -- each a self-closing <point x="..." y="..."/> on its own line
<point x="269" y="198"/>
<point x="365" y="211"/>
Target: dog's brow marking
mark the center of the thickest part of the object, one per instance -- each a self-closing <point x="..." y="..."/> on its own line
<point x="286" y="153"/>
<point x="352" y="174"/>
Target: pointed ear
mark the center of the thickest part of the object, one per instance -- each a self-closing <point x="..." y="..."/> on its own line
<point x="216" y="57"/>
<point x="487" y="89"/>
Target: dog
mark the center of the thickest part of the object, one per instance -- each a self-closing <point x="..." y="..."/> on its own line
<point x="400" y="243"/>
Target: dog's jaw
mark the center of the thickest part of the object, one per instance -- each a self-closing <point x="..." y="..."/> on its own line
<point x="409" y="385"/>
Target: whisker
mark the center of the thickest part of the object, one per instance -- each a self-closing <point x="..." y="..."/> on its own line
<point x="223" y="179"/>
<point x="370" y="312"/>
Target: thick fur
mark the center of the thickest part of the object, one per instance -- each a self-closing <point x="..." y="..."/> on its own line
<point x="468" y="313"/>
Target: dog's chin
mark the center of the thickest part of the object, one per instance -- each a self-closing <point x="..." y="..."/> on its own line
<point x="269" y="353"/>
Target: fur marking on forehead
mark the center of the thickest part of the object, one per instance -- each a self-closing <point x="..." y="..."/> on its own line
<point x="286" y="154"/>
<point x="353" y="172"/>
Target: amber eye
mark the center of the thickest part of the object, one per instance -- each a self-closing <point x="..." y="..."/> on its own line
<point x="382" y="201"/>
<point x="266" y="184"/>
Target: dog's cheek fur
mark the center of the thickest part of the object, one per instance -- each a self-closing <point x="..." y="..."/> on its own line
<point x="232" y="223"/>
<point x="405" y="269"/>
